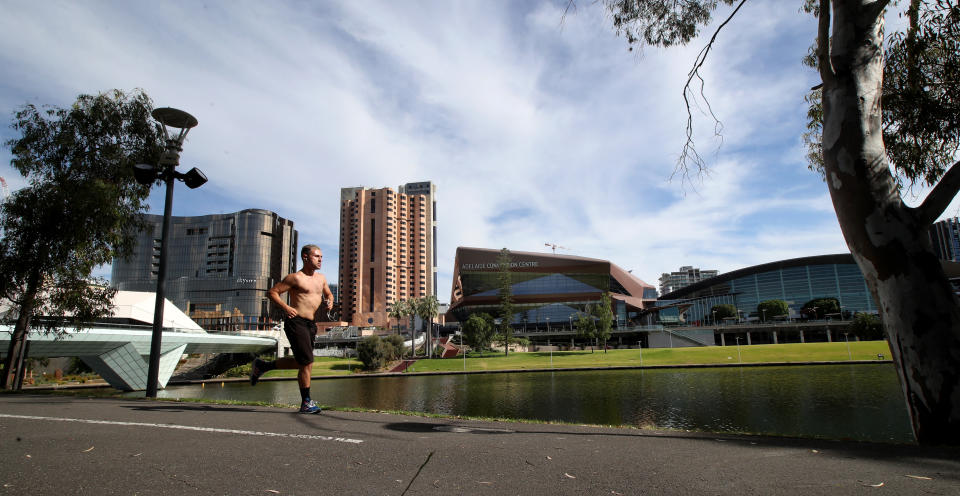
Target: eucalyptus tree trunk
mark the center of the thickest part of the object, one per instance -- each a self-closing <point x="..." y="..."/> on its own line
<point x="18" y="341"/>
<point x="889" y="239"/>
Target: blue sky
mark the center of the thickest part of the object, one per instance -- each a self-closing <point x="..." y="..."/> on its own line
<point x="537" y="128"/>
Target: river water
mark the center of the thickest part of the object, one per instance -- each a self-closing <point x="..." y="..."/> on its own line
<point x="859" y="402"/>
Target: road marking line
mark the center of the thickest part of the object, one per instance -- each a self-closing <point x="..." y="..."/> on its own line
<point x="189" y="428"/>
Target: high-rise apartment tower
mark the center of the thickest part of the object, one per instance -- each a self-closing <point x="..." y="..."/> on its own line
<point x="388" y="247"/>
<point x="687" y="275"/>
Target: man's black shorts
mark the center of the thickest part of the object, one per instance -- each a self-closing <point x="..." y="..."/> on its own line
<point x="301" y="332"/>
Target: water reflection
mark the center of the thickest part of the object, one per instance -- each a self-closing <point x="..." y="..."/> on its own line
<point x="861" y="402"/>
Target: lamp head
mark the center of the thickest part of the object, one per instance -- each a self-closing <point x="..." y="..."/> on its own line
<point x="194" y="178"/>
<point x="175" y="118"/>
<point x="144" y="173"/>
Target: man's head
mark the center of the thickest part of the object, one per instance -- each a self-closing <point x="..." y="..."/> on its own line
<point x="311" y="256"/>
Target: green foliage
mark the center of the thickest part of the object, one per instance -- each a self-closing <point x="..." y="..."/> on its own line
<point x="921" y="95"/>
<point x="770" y="309"/>
<point x="604" y="316"/>
<point x="819" y="307"/>
<point x="478" y="331"/>
<point x="505" y="292"/>
<point x="238" y="371"/>
<point x="398" y="310"/>
<point x="723" y="311"/>
<point x="81" y="206"/>
<point x="79" y="210"/>
<point x="396" y="347"/>
<point x="921" y="92"/>
<point x="662" y="23"/>
<point x="867" y="326"/>
<point x="425" y="308"/>
<point x="373" y="352"/>
<point x="585" y="325"/>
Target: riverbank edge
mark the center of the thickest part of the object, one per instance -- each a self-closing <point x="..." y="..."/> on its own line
<point x="469" y="372"/>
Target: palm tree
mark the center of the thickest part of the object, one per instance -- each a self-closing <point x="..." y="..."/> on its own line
<point x="426" y="308"/>
<point x="398" y="311"/>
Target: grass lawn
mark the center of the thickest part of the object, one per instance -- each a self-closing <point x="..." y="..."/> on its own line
<point x="322" y="366"/>
<point x="764" y="353"/>
<point x="793" y="352"/>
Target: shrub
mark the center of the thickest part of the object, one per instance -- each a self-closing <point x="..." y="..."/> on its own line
<point x="478" y="331"/>
<point x="723" y="311"/>
<point x="238" y="371"/>
<point x="373" y="352"/>
<point x="819" y="307"/>
<point x="772" y="308"/>
<point x="867" y="326"/>
<point x="395" y="345"/>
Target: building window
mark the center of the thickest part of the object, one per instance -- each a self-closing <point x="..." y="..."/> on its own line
<point x="373" y="239"/>
<point x="371" y="288"/>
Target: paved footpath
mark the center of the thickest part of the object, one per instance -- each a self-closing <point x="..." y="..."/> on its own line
<point x="68" y="445"/>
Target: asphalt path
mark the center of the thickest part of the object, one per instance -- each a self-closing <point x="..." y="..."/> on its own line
<point x="69" y="445"/>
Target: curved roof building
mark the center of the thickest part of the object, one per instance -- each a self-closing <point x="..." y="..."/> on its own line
<point x="219" y="267"/>
<point x="546" y="288"/>
<point x="796" y="281"/>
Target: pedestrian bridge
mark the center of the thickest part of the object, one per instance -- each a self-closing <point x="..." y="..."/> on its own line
<point x="118" y="347"/>
<point x="120" y="353"/>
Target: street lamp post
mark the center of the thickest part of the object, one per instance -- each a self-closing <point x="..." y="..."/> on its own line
<point x="166" y="170"/>
<point x="739" y="358"/>
<point x="548" y="324"/>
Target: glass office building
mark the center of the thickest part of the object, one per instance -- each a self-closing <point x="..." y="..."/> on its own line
<point x="219" y="267"/>
<point x="548" y="290"/>
<point x="945" y="238"/>
<point x="795" y="281"/>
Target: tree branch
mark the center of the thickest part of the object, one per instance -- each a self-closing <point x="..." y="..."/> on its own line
<point x="823" y="43"/>
<point x="941" y="196"/>
<point x="689" y="153"/>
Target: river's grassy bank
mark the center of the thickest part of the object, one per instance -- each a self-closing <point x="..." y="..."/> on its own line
<point x="772" y="353"/>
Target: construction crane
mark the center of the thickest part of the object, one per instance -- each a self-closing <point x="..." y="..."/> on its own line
<point x="555" y="246"/>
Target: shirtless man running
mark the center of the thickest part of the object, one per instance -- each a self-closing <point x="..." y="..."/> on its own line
<point x="309" y="291"/>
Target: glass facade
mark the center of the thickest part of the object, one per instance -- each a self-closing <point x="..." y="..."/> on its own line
<point x="795" y="281"/>
<point x="549" y="291"/>
<point x="219" y="267"/>
<point x="945" y="238"/>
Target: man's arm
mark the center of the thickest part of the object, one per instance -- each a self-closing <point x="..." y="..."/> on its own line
<point x="279" y="288"/>
<point x="327" y="295"/>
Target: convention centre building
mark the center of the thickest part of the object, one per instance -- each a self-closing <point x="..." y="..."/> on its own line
<point x="795" y="281"/>
<point x="549" y="290"/>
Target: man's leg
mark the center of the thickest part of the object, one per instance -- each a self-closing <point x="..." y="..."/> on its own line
<point x="260" y="367"/>
<point x="307" y="405"/>
<point x="303" y="376"/>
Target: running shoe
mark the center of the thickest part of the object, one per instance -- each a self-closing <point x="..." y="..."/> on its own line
<point x="256" y="370"/>
<point x="309" y="407"/>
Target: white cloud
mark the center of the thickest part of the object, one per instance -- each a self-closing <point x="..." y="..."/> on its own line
<point x="535" y="130"/>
